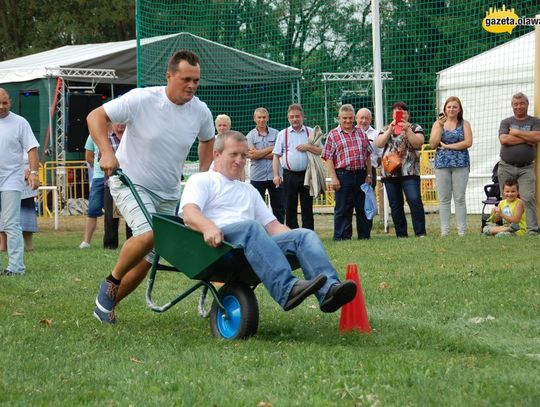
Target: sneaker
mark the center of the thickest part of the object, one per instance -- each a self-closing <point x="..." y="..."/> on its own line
<point x="532" y="233"/>
<point x="84" y="245"/>
<point x="106" y="298"/>
<point x="8" y="273"/>
<point x="105" y="317"/>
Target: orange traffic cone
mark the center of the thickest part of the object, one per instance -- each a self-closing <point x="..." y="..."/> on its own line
<point x="354" y="314"/>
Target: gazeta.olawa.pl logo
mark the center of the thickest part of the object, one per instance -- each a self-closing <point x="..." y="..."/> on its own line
<point x="502" y="20"/>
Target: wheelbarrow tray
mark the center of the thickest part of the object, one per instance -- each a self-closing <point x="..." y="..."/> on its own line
<point x="186" y="250"/>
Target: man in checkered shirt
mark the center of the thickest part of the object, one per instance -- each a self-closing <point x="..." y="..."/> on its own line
<point x="347" y="153"/>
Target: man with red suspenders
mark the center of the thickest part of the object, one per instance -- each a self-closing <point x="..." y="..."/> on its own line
<point x="291" y="153"/>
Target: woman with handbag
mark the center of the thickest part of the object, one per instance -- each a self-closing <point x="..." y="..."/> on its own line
<point x="402" y="141"/>
<point x="451" y="135"/>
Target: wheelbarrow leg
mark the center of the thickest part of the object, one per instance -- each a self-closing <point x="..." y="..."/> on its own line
<point x="150" y="288"/>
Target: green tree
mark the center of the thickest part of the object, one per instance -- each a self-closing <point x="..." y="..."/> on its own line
<point x="30" y="26"/>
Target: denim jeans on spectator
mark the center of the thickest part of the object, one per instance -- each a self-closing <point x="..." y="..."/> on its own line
<point x="10" y="212"/>
<point x="95" y="200"/>
<point x="266" y="255"/>
<point x="411" y="187"/>
<point x="349" y="197"/>
<point x="277" y="197"/>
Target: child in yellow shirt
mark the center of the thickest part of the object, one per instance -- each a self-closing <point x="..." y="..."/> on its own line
<point x="511" y="211"/>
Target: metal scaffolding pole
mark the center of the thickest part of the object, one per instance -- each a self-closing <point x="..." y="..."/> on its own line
<point x="348" y="77"/>
<point x="66" y="74"/>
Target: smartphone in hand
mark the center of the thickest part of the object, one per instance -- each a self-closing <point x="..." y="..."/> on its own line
<point x="399" y="118"/>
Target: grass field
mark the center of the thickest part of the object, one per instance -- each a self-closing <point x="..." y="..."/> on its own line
<point x="455" y="322"/>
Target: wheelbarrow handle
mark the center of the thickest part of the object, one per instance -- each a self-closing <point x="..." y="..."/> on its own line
<point x="127" y="182"/>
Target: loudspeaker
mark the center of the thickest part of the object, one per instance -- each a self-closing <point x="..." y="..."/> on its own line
<point x="79" y="105"/>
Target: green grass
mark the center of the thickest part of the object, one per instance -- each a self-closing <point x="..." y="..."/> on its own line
<point x="455" y="322"/>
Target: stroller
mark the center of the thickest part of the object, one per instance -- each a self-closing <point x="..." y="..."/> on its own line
<point x="493" y="197"/>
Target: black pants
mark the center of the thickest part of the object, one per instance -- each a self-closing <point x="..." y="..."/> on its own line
<point x="110" y="238"/>
<point x="373" y="177"/>
<point x="293" y="182"/>
<point x="277" y="200"/>
<point x="350" y="196"/>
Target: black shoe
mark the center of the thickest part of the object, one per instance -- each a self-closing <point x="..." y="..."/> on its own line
<point x="303" y="289"/>
<point x="12" y="273"/>
<point x="339" y="295"/>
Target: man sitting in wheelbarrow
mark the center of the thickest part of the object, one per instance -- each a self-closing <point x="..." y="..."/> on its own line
<point x="221" y="207"/>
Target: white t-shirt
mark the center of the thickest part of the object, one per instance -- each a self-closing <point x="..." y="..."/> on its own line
<point x="16" y="138"/>
<point x="158" y="136"/>
<point x="224" y="201"/>
<point x="377" y="152"/>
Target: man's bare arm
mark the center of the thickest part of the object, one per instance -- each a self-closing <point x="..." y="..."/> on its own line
<point x="531" y="137"/>
<point x="98" y="127"/>
<point x="263" y="153"/>
<point x="89" y="157"/>
<point x="312" y="148"/>
<point x="195" y="220"/>
<point x="33" y="164"/>
<point x="509" y="140"/>
<point x="206" y="151"/>
<point x="275" y="168"/>
<point x="275" y="228"/>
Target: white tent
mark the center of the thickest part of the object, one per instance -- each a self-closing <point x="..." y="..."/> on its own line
<point x="485" y="84"/>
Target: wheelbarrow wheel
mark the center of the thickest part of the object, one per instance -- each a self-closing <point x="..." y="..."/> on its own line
<point x="241" y="318"/>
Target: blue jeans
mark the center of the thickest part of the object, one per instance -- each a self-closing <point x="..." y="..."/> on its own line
<point x="95" y="200"/>
<point x="277" y="197"/>
<point x="348" y="197"/>
<point x="411" y="187"/>
<point x="266" y="255"/>
<point x="10" y="212"/>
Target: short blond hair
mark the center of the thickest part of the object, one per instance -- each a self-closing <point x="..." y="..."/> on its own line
<point x="219" y="143"/>
<point x="220" y="117"/>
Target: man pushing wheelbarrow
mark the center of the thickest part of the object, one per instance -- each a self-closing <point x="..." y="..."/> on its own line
<point x="222" y="208"/>
<point x="162" y="124"/>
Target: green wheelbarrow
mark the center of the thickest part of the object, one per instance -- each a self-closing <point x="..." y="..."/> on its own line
<point x="235" y="312"/>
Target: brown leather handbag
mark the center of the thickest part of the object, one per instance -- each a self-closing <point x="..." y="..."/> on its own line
<point x="392" y="161"/>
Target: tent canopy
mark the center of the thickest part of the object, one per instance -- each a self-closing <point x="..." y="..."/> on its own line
<point x="511" y="62"/>
<point x="220" y="65"/>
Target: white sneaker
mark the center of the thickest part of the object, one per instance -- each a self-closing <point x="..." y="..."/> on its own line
<point x="84" y="245"/>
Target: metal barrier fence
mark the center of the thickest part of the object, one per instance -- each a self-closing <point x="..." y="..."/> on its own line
<point x="72" y="197"/>
<point x="428" y="187"/>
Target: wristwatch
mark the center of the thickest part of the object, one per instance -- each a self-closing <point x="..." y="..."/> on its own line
<point x="34" y="173"/>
